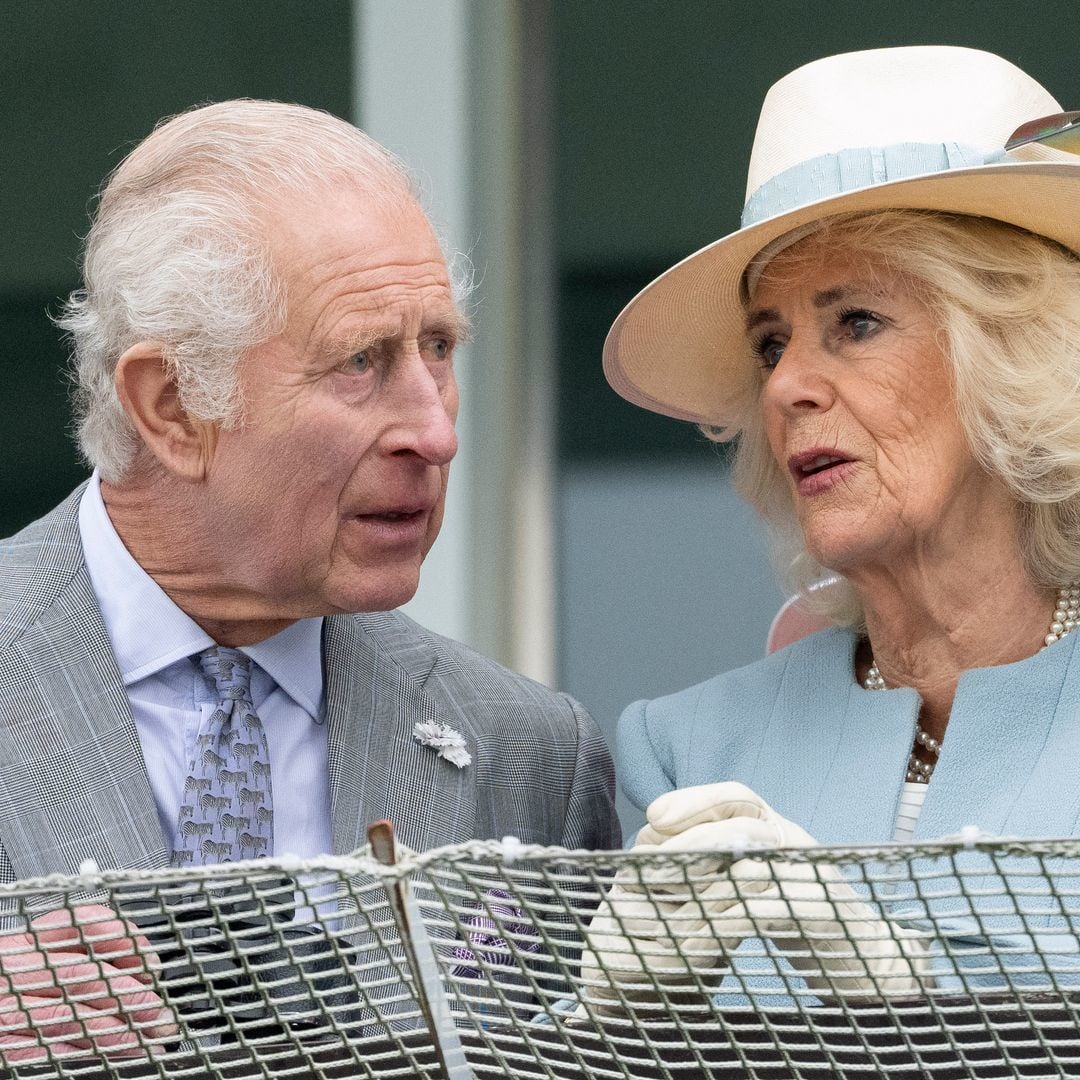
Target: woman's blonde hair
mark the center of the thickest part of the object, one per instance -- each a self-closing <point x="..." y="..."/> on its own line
<point x="1008" y="307"/>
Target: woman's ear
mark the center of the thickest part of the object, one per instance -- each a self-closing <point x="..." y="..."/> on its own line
<point x="151" y="400"/>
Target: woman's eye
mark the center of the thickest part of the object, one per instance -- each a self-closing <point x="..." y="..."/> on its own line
<point x="768" y="351"/>
<point x="860" y="323"/>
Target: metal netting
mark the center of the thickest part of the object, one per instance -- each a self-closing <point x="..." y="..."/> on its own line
<point x="954" y="959"/>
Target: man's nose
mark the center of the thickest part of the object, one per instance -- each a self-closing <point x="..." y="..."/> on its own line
<point x="425" y="409"/>
<point x="800" y="382"/>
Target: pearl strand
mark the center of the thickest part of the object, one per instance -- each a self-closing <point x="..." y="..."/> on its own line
<point x="1065" y="620"/>
<point x="1066" y="614"/>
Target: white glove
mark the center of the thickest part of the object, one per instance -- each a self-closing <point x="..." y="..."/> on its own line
<point x="671" y="928"/>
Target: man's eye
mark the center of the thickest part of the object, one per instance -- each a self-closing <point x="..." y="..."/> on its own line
<point x="360" y="361"/>
<point x="440" y="347"/>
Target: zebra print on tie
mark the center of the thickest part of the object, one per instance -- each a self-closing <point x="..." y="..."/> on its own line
<point x="227" y="809"/>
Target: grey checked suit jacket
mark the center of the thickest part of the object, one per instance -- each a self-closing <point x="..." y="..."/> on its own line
<point x="73" y="784"/>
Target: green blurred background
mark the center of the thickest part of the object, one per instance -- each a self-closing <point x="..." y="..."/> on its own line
<point x="654" y="106"/>
<point x="80" y="84"/>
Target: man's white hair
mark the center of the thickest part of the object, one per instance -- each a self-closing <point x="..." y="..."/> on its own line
<point x="179" y="254"/>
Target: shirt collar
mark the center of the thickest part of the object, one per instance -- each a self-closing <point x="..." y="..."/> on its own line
<point x="293" y="659"/>
<point x="149" y="632"/>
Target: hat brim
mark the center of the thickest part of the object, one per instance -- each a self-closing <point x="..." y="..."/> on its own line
<point x="680" y="348"/>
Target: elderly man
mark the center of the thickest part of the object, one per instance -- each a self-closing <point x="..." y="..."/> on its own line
<point x="264" y="350"/>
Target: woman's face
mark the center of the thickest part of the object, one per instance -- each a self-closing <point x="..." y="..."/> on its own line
<point x="858" y="410"/>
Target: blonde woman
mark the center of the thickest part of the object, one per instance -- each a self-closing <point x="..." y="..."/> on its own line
<point x="894" y="338"/>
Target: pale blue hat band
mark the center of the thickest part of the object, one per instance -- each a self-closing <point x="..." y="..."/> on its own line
<point x="859" y="167"/>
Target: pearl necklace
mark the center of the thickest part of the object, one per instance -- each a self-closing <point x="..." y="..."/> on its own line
<point x="1065" y="620"/>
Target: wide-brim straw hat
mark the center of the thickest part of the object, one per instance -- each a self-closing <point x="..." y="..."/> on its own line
<point x="920" y="127"/>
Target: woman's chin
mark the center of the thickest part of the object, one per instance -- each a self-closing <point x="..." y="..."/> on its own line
<point x="843" y="554"/>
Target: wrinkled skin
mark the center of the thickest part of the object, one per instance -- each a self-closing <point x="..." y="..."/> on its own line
<point x="851" y="363"/>
<point x="328" y="494"/>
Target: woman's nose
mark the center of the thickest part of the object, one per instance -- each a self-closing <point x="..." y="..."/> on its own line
<point x="800" y="381"/>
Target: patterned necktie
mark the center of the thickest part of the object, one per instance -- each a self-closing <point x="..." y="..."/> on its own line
<point x="227" y="808"/>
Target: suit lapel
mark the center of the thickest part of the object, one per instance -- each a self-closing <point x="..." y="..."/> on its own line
<point x="377" y="768"/>
<point x="73" y="784"/>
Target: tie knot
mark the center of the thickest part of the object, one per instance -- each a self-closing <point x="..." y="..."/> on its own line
<point x="229" y="670"/>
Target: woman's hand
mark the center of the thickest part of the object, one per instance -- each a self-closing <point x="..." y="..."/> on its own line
<point x="667" y="929"/>
<point x="82" y="986"/>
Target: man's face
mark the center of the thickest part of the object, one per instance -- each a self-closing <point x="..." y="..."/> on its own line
<point x="329" y="494"/>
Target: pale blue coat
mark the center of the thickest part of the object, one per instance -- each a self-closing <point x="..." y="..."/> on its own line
<point x="800" y="731"/>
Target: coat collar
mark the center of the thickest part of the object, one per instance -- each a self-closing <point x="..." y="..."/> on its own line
<point x="1011" y="760"/>
<point x="832" y="755"/>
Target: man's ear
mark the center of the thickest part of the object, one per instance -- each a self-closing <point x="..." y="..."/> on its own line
<point x="150" y="398"/>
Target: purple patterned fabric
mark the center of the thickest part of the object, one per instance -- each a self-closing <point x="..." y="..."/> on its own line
<point x="227" y="809"/>
<point x="485" y="934"/>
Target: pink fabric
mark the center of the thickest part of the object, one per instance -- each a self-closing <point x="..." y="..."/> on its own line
<point x="790" y="624"/>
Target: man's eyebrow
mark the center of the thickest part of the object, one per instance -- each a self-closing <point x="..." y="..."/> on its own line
<point x="451" y="323"/>
<point x="358" y="342"/>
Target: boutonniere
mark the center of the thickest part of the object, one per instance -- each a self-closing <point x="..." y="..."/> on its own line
<point x="444" y="740"/>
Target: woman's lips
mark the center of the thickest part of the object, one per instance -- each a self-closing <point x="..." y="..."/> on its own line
<point x="819" y="470"/>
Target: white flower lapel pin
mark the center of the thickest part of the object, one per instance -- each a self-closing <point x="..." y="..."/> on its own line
<point x="444" y="740"/>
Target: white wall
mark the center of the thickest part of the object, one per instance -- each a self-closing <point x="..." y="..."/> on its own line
<point x="443" y="83"/>
<point x="664" y="581"/>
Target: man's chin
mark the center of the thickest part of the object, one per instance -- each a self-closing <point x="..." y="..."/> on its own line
<point x="383" y="596"/>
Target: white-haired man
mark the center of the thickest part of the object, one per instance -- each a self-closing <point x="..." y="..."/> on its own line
<point x="264" y="353"/>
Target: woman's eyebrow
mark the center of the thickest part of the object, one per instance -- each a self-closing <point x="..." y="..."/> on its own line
<point x="763" y="315"/>
<point x="823" y="299"/>
<point x="828" y="297"/>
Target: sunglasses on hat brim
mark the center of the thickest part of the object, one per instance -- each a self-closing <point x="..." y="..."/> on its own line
<point x="1061" y="131"/>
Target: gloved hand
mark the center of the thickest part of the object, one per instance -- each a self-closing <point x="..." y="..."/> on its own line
<point x="670" y="928"/>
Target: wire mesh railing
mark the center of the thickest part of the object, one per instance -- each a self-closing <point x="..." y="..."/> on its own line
<point x="952" y="959"/>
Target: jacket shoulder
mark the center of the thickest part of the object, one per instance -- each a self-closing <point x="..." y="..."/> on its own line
<point x="37" y="563"/>
<point x="760" y="678"/>
<point x="656" y="739"/>
<point x="542" y="766"/>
